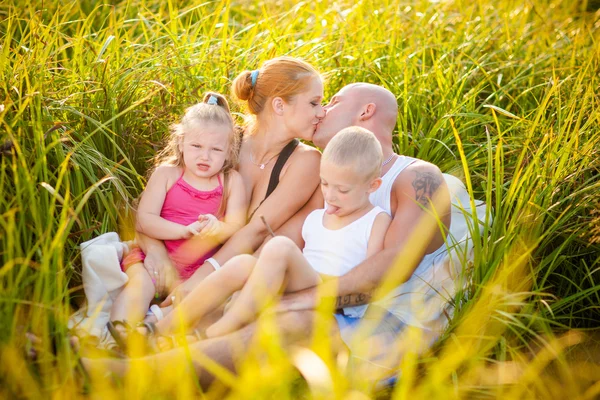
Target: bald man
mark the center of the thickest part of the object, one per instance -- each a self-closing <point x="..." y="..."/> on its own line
<point x="414" y="263"/>
<point x="425" y="248"/>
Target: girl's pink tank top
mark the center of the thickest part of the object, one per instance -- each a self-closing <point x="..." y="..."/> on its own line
<point x="183" y="204"/>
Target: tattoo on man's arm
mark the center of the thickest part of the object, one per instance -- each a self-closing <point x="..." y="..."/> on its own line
<point x="351" y="300"/>
<point x="425" y="185"/>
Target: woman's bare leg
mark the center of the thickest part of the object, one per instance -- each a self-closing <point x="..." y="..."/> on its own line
<point x="281" y="261"/>
<point x="209" y="294"/>
<point x="133" y="301"/>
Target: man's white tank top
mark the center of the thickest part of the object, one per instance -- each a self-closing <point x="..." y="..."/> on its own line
<point x="422" y="300"/>
<point x="335" y="252"/>
<point x="381" y="197"/>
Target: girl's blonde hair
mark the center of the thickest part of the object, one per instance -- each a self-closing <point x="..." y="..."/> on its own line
<point x="356" y="147"/>
<point x="199" y="114"/>
<point x="283" y="77"/>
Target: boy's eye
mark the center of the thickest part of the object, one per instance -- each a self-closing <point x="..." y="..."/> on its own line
<point x="196" y="146"/>
<point x="323" y="184"/>
<point x="344" y="191"/>
<point x="217" y="149"/>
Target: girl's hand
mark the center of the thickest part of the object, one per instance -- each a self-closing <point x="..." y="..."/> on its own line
<point x="193" y="229"/>
<point x="211" y="224"/>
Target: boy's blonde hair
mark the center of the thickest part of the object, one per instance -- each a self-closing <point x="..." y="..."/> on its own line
<point x="356" y="147"/>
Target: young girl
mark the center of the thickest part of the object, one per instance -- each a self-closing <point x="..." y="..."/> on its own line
<point x="194" y="201"/>
<point x="337" y="238"/>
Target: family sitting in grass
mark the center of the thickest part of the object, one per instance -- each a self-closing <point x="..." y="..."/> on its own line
<point x="229" y="222"/>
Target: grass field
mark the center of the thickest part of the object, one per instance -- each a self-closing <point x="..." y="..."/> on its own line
<point x="504" y="94"/>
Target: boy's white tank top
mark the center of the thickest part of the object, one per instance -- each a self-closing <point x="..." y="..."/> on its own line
<point x="335" y="252"/>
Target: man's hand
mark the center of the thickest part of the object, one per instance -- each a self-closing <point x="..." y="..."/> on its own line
<point x="162" y="272"/>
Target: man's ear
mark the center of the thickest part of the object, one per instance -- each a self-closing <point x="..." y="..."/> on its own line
<point x="367" y="111"/>
<point x="375" y="184"/>
<point x="277" y="104"/>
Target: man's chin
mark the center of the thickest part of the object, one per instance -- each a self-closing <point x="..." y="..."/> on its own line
<point x="316" y="139"/>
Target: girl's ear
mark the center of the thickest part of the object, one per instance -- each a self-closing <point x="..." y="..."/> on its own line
<point x="278" y="104"/>
<point x="367" y="111"/>
<point x="375" y="184"/>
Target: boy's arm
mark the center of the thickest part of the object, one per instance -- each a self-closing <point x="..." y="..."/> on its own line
<point x="149" y="221"/>
<point x="378" y="231"/>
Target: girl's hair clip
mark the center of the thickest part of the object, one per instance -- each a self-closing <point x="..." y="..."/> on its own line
<point x="212" y="100"/>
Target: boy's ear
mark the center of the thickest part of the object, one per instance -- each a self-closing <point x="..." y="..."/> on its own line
<point x="367" y="111"/>
<point x="277" y="103"/>
<point x="375" y="184"/>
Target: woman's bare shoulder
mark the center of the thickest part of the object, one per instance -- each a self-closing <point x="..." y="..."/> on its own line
<point x="307" y="153"/>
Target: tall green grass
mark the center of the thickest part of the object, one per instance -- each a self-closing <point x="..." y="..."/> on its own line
<point x="502" y="94"/>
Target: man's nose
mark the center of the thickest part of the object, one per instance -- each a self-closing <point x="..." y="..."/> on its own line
<point x="322" y="113"/>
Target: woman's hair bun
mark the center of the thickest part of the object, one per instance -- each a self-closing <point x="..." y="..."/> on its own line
<point x="242" y="86"/>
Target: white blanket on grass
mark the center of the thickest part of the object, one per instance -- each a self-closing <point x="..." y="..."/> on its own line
<point x="103" y="280"/>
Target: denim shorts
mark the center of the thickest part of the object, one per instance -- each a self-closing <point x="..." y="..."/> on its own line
<point x="375" y="340"/>
<point x="382" y="324"/>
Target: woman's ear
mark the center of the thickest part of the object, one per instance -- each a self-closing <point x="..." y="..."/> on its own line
<point x="367" y="111"/>
<point x="375" y="184"/>
<point x="278" y="104"/>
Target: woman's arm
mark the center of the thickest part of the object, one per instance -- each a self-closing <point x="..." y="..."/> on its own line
<point x="296" y="186"/>
<point x="149" y="221"/>
<point x="157" y="263"/>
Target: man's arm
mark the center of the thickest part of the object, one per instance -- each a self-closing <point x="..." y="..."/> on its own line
<point x="421" y="217"/>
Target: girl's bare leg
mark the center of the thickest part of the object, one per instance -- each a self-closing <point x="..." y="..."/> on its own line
<point x="280" y="261"/>
<point x="133" y="301"/>
<point x="209" y="294"/>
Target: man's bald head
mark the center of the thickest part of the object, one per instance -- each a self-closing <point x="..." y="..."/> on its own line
<point x="359" y="104"/>
<point x="386" y="106"/>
